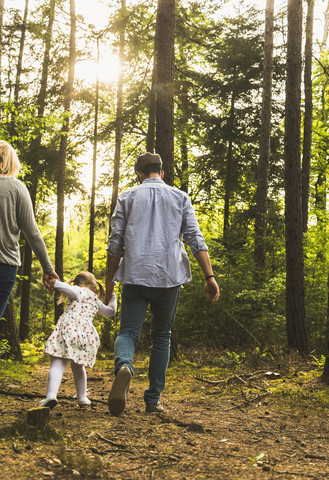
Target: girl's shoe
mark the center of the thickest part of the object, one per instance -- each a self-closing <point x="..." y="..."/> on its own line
<point x="49" y="402"/>
<point x="84" y="403"/>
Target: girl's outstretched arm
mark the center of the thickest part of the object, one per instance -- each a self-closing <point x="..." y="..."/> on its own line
<point x="66" y="289"/>
<point x="110" y="309"/>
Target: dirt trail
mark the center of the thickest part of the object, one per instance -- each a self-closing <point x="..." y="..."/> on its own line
<point x="254" y="427"/>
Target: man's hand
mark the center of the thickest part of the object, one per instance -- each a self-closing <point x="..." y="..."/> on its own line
<point x="49" y="279"/>
<point x="212" y="290"/>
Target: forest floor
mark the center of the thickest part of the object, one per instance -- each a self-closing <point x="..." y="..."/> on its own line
<point x="227" y="416"/>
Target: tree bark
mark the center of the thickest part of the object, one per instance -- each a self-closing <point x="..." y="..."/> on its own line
<point x="62" y="157"/>
<point x="295" y="301"/>
<point x="24" y="326"/>
<point x="93" y="186"/>
<point x="325" y="29"/>
<point x="8" y="330"/>
<point x="165" y="87"/>
<point x="20" y="55"/>
<point x="184" y="159"/>
<point x="119" y="119"/>
<point x="325" y="374"/>
<point x="1" y="40"/>
<point x="264" y="148"/>
<point x="308" y="111"/>
<point x="228" y="175"/>
<point x="150" y="139"/>
<point x="119" y="116"/>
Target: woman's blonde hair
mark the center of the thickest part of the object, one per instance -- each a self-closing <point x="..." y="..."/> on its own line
<point x="9" y="163"/>
<point x="88" y="279"/>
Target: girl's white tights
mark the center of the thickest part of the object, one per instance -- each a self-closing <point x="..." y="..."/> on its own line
<point x="57" y="369"/>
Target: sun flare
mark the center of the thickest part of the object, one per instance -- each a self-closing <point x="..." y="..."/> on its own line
<point x="108" y="69"/>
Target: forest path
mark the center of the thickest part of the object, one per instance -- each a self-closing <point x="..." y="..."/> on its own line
<point x="253" y="426"/>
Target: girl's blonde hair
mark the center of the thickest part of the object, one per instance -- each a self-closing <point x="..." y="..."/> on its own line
<point x="9" y="163"/>
<point x="88" y="279"/>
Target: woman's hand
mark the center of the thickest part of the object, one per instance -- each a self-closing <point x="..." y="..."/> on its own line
<point x="49" y="279"/>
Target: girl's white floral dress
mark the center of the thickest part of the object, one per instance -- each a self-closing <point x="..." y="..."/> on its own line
<point x="75" y="337"/>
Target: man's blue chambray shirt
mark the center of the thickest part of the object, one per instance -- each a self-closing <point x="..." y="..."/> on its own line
<point x="147" y="229"/>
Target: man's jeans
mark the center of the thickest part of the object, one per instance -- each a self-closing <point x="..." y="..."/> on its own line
<point x="135" y="300"/>
<point x="7" y="280"/>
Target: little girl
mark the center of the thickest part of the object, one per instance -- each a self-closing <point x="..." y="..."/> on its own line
<point x="75" y="338"/>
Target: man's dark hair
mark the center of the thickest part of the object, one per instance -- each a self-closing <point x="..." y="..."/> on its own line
<point x="148" y="163"/>
<point x="152" y="168"/>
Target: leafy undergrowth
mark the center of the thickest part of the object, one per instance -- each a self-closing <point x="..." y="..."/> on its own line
<point x="258" y="415"/>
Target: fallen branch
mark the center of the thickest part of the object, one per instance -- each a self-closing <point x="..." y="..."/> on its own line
<point x="111" y="450"/>
<point x="114" y="444"/>
<point x="318" y="457"/>
<point x="37" y="395"/>
<point x="300" y="474"/>
<point x="247" y="402"/>
<point x="248" y="376"/>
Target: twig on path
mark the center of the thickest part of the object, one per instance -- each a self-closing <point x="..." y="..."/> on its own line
<point x="39" y="395"/>
<point x="248" y="376"/>
<point x="20" y="394"/>
<point x="317" y="457"/>
<point x="247" y="402"/>
<point x="114" y="444"/>
<point x="128" y="469"/>
<point x="111" y="450"/>
<point x="300" y="474"/>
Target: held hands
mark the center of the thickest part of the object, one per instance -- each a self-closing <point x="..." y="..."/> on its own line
<point x="49" y="279"/>
<point x="212" y="290"/>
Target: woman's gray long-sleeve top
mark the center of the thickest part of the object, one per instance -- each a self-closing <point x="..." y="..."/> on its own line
<point x="16" y="213"/>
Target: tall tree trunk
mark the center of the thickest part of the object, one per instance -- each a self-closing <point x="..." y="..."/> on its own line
<point x="150" y="139"/>
<point x="165" y="67"/>
<point x="93" y="186"/>
<point x="184" y="158"/>
<point x="8" y="330"/>
<point x="119" y="116"/>
<point x="295" y="301"/>
<point x="325" y="373"/>
<point x="165" y="87"/>
<point x="20" y="55"/>
<point x="228" y="175"/>
<point x="264" y="148"/>
<point x="1" y="39"/>
<point x="307" y="140"/>
<point x="321" y="199"/>
<point x="24" y="326"/>
<point x="325" y="29"/>
<point x="62" y="156"/>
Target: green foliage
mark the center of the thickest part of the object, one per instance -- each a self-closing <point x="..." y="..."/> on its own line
<point x="254" y="460"/>
<point x="88" y="467"/>
<point x="218" y="81"/>
<point x="4" y="348"/>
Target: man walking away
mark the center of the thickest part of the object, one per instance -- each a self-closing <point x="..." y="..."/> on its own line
<point x="147" y="255"/>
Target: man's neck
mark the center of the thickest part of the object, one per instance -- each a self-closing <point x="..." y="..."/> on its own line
<point x="143" y="177"/>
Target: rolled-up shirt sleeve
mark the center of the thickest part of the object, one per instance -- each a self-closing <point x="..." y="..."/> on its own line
<point x="190" y="228"/>
<point x="118" y="227"/>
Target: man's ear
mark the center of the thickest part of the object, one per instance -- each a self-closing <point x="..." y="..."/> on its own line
<point x="140" y="177"/>
<point x="162" y="174"/>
